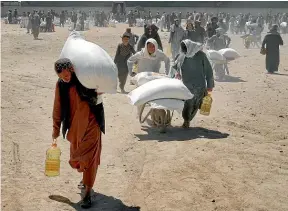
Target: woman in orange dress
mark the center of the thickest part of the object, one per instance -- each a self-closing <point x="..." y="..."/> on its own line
<point x="81" y="113"/>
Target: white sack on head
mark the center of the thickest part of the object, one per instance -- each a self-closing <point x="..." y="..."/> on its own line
<point x="229" y="53"/>
<point x="215" y="55"/>
<point x="164" y="88"/>
<point x="93" y="66"/>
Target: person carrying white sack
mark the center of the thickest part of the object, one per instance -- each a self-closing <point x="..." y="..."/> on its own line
<point x="194" y="68"/>
<point x="218" y="42"/>
<point x="149" y="59"/>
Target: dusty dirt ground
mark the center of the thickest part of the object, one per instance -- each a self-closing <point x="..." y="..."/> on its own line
<point x="235" y="159"/>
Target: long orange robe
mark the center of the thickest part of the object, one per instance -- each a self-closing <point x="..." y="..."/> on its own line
<point x="84" y="135"/>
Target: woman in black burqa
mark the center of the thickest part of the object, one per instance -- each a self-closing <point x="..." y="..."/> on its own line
<point x="150" y="31"/>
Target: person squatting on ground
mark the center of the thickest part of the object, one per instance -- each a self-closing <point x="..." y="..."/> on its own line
<point x="194" y="69"/>
<point x="149" y="59"/>
<point x="124" y="51"/>
<point x="81" y="113"/>
<point x="271" y="42"/>
<point x="218" y="42"/>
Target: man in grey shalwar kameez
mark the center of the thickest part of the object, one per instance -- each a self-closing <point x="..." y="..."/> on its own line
<point x="272" y="41"/>
<point x="177" y="34"/>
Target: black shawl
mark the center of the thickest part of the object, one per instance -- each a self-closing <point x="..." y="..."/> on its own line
<point x="88" y="95"/>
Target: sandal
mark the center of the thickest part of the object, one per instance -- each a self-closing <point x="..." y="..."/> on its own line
<point x="86" y="203"/>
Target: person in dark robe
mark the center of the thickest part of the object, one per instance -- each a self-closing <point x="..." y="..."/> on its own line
<point x="82" y="21"/>
<point x="194" y="69"/>
<point x="62" y="19"/>
<point x="80" y="111"/>
<point x="150" y="31"/>
<point x="35" y="25"/>
<point x="200" y="32"/>
<point x="211" y="27"/>
<point x="271" y="43"/>
<point x="15" y="14"/>
<point x="167" y="21"/>
<point x="74" y="19"/>
<point x="48" y="22"/>
<point x="133" y="37"/>
<point x="10" y="17"/>
<point x="190" y="32"/>
<point x="123" y="52"/>
<point x="130" y="18"/>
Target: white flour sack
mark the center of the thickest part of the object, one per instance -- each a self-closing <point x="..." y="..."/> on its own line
<point x="144" y="77"/>
<point x="168" y="104"/>
<point x="163" y="88"/>
<point x="229" y="53"/>
<point x="283" y="24"/>
<point x="215" y="56"/>
<point x="93" y="66"/>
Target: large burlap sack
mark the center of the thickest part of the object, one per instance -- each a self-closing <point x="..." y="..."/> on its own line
<point x="139" y="22"/>
<point x="43" y="23"/>
<point x="144" y="77"/>
<point x="93" y="66"/>
<point x="112" y="23"/>
<point x="168" y="104"/>
<point x="283" y="24"/>
<point x="163" y="88"/>
<point x="215" y="57"/>
<point x="229" y="53"/>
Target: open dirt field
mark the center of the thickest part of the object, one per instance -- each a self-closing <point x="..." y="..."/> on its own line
<point x="235" y="159"/>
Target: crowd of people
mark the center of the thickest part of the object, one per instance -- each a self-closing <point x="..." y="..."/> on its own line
<point x="190" y="64"/>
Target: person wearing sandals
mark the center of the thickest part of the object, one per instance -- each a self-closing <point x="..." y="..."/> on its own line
<point x="81" y="113"/>
<point x="193" y="68"/>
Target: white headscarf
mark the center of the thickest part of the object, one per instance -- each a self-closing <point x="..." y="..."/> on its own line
<point x="192" y="49"/>
<point x="145" y="50"/>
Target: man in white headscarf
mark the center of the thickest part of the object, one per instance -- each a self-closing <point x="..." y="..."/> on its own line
<point x="194" y="68"/>
<point x="149" y="59"/>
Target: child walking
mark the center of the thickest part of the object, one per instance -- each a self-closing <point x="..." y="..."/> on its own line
<point x="124" y="51"/>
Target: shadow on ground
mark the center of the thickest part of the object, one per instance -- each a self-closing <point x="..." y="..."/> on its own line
<point x="179" y="134"/>
<point x="100" y="203"/>
<point x="231" y="79"/>
<point x="276" y="73"/>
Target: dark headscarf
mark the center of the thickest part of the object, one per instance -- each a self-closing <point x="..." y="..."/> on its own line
<point x="154" y="30"/>
<point x="88" y="95"/>
<point x="274" y="29"/>
<point x="126" y="34"/>
<point x="154" y="34"/>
